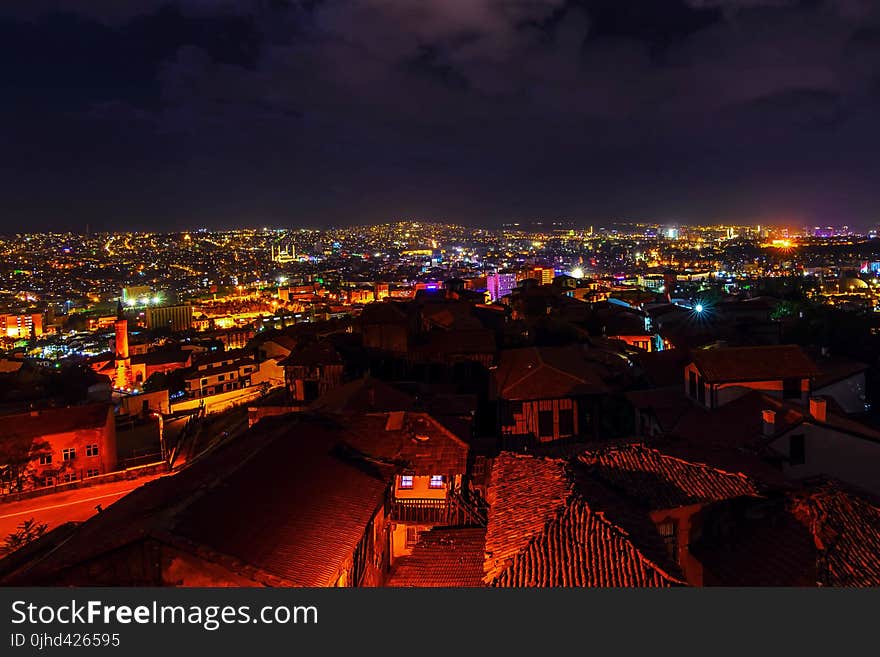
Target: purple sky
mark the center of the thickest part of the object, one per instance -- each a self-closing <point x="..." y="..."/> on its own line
<point x="156" y="114"/>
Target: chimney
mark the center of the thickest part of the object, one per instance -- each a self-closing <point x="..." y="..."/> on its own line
<point x="818" y="408"/>
<point x="769" y="424"/>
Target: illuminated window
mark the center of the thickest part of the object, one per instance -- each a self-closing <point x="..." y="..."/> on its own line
<point x="406" y="481"/>
<point x="436" y="481"/>
<point x="45" y="459"/>
<point x="68" y="454"/>
<point x="92" y="450"/>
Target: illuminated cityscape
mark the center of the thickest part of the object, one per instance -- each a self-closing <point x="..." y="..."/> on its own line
<point x="569" y="293"/>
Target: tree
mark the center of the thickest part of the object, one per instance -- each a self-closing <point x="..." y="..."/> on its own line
<point x="16" y="462"/>
<point x="27" y="532"/>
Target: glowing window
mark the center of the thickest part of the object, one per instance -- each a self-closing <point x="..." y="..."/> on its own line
<point x="436" y="481"/>
<point x="406" y="481"/>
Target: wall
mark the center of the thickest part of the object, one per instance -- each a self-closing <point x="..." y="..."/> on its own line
<point x="527" y="421"/>
<point x="106" y="460"/>
<point x="421" y="489"/>
<point x="268" y="371"/>
<point x="156" y="401"/>
<point x="221" y="402"/>
<point x="718" y="394"/>
<point x="687" y="523"/>
<point x="830" y="452"/>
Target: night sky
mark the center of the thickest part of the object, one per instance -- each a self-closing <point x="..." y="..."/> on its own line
<point x="141" y="114"/>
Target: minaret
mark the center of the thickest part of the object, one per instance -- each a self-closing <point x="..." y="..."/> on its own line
<point x="123" y="362"/>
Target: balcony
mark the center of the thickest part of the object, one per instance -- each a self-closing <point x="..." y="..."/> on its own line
<point x="453" y="511"/>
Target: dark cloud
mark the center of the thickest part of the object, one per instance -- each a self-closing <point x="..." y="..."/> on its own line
<point x="274" y="111"/>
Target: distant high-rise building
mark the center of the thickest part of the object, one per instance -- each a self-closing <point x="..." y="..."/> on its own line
<point x="176" y="318"/>
<point x="500" y="285"/>
<point x="21" y="326"/>
<point x="544" y="275"/>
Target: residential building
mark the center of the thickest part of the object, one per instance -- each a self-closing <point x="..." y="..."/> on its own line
<point x="717" y="376"/>
<point x="55" y="446"/>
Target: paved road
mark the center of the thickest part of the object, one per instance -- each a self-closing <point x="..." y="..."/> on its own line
<point x="58" y="508"/>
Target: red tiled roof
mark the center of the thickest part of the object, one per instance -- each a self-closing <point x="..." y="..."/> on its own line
<point x="754" y="542"/>
<point x="664" y="368"/>
<point x="547" y="373"/>
<point x="414" y="441"/>
<point x="524" y="495"/>
<point x="455" y="342"/>
<point x="52" y="421"/>
<point x="846" y="530"/>
<point x="365" y="395"/>
<point x="729" y="364"/>
<point x="299" y="510"/>
<point x="443" y="557"/>
<point x="586" y="521"/>
<point x="822" y="535"/>
<point x="667" y="404"/>
<point x="318" y="352"/>
<point x="660" y="481"/>
<point x="282" y="505"/>
<point x="833" y="370"/>
<point x="546" y="529"/>
<point x="580" y="547"/>
<point x="738" y="424"/>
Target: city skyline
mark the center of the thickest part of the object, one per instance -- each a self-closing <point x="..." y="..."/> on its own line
<point x="160" y="115"/>
<point x="450" y="294"/>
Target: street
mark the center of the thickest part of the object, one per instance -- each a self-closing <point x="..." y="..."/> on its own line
<point x="75" y="505"/>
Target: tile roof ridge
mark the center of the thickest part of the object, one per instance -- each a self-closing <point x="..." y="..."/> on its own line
<point x="643" y="447"/>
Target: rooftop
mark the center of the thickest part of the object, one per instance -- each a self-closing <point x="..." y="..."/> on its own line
<point x="731" y="364"/>
<point x="52" y="421"/>
<point x="547" y="373"/>
<point x="298" y="499"/>
<point x="444" y="557"/>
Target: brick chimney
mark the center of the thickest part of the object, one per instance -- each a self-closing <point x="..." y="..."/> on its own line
<point x="818" y="408"/>
<point x="769" y="424"/>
